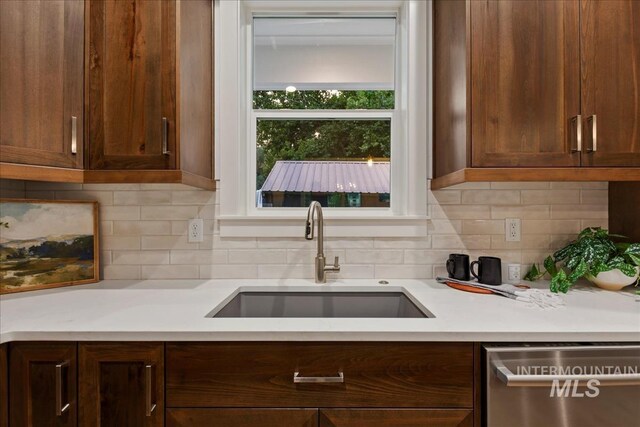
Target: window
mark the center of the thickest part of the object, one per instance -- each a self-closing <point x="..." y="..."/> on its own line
<point x="322" y="100"/>
<point x="323" y="110"/>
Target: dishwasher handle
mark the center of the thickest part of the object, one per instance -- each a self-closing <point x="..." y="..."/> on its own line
<point x="515" y="380"/>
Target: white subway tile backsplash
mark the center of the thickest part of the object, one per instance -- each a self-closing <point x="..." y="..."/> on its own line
<point x="144" y="231"/>
<point x="139" y="198"/>
<point x="254" y="256"/>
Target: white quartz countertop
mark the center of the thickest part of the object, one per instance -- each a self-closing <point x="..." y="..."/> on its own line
<point x="175" y="310"/>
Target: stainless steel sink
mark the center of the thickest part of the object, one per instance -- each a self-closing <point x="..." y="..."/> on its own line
<point x="369" y="304"/>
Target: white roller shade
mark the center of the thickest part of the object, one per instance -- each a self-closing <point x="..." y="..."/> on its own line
<point x="324" y="53"/>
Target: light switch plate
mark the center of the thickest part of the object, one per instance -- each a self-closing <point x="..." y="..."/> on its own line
<point x="513" y="275"/>
<point x="196" y="230"/>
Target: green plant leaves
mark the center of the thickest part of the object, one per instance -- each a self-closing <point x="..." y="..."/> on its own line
<point x="591" y="253"/>
<point x="534" y="273"/>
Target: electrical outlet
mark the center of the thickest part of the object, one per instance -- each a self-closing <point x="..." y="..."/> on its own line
<point x="196" y="230"/>
<point x="513" y="275"/>
<point x="512" y="229"/>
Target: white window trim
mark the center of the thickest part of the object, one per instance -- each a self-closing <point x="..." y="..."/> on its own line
<point x="236" y="144"/>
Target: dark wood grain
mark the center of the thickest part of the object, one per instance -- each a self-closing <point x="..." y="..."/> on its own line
<point x="624" y="209"/>
<point x="112" y="384"/>
<point x="131" y="75"/>
<point x="248" y="417"/>
<point x="451" y="91"/>
<point x="195" y="78"/>
<point x="536" y="174"/>
<point x="610" y="48"/>
<point x="41" y="81"/>
<point x="375" y="374"/>
<point x="396" y="418"/>
<point x="4" y="386"/>
<point x="33" y="384"/>
<point x="524" y="82"/>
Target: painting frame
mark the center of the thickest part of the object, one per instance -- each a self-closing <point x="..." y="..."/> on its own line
<point x="96" y="246"/>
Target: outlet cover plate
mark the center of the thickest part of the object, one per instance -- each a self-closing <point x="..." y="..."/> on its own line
<point x="512" y="229"/>
<point x="195" y="231"/>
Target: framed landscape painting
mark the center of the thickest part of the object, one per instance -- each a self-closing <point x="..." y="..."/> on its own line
<point x="47" y="244"/>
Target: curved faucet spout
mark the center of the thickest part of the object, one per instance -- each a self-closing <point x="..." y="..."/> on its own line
<point x="315" y="214"/>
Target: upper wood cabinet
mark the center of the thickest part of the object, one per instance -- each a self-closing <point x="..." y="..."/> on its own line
<point x="43" y="383"/>
<point x="535" y="91"/>
<point x="132" y="84"/>
<point x="41" y="82"/>
<point x="610" y="49"/>
<point x="525" y="85"/>
<point x="121" y="384"/>
<point x="137" y="76"/>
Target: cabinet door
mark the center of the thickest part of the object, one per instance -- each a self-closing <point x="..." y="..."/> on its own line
<point x="396" y="418"/>
<point x="43" y="384"/>
<point x="525" y="86"/>
<point x="242" y="417"/>
<point x="121" y="384"/>
<point x="4" y="387"/>
<point x="132" y="62"/>
<point x="610" y="45"/>
<point x="41" y="82"/>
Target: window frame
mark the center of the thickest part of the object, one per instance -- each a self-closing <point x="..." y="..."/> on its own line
<point x="410" y="136"/>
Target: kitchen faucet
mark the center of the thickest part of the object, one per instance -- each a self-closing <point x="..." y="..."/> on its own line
<point x="315" y="208"/>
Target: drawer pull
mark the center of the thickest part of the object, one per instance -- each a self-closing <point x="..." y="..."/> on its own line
<point x="61" y="407"/>
<point x="150" y="374"/>
<point x="298" y="379"/>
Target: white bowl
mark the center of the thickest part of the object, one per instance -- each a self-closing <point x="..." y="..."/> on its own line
<point x="613" y="280"/>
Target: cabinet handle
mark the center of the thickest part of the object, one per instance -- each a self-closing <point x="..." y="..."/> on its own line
<point x="298" y="379"/>
<point x="149" y="389"/>
<point x="594" y="134"/>
<point x="74" y="134"/>
<point x="578" y="141"/>
<point x="61" y="407"/>
<point x="165" y="136"/>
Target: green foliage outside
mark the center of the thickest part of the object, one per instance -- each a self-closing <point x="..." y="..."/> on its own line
<point x="321" y="139"/>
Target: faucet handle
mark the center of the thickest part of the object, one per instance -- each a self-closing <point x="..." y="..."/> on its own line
<point x="336" y="262"/>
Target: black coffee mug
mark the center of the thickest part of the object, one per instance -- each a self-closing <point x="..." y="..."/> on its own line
<point x="489" y="270"/>
<point x="458" y="266"/>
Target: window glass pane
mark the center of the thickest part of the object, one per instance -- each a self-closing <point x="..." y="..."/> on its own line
<point x="340" y="163"/>
<point x="324" y="53"/>
<point x="324" y="100"/>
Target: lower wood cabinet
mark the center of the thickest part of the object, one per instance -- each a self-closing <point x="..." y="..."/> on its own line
<point x="236" y="384"/>
<point x="43" y="378"/>
<point x="396" y="418"/>
<point x="121" y="384"/>
<point x="4" y="387"/>
<point x="326" y="375"/>
<point x="242" y="417"/>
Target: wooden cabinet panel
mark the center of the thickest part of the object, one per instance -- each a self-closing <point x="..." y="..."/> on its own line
<point x="41" y="82"/>
<point x="132" y="81"/>
<point x="396" y="418"/>
<point x="524" y="82"/>
<point x="121" y="384"/>
<point x="375" y="374"/>
<point x="42" y="383"/>
<point x="242" y="417"/>
<point x="4" y="387"/>
<point x="610" y="48"/>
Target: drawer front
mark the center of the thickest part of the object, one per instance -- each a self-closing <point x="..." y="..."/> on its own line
<point x="249" y="417"/>
<point x="374" y="374"/>
<point x="396" y="418"/>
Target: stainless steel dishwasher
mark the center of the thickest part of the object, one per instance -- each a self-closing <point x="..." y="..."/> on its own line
<point x="562" y="385"/>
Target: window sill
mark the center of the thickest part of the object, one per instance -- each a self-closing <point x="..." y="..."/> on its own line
<point x="290" y="226"/>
